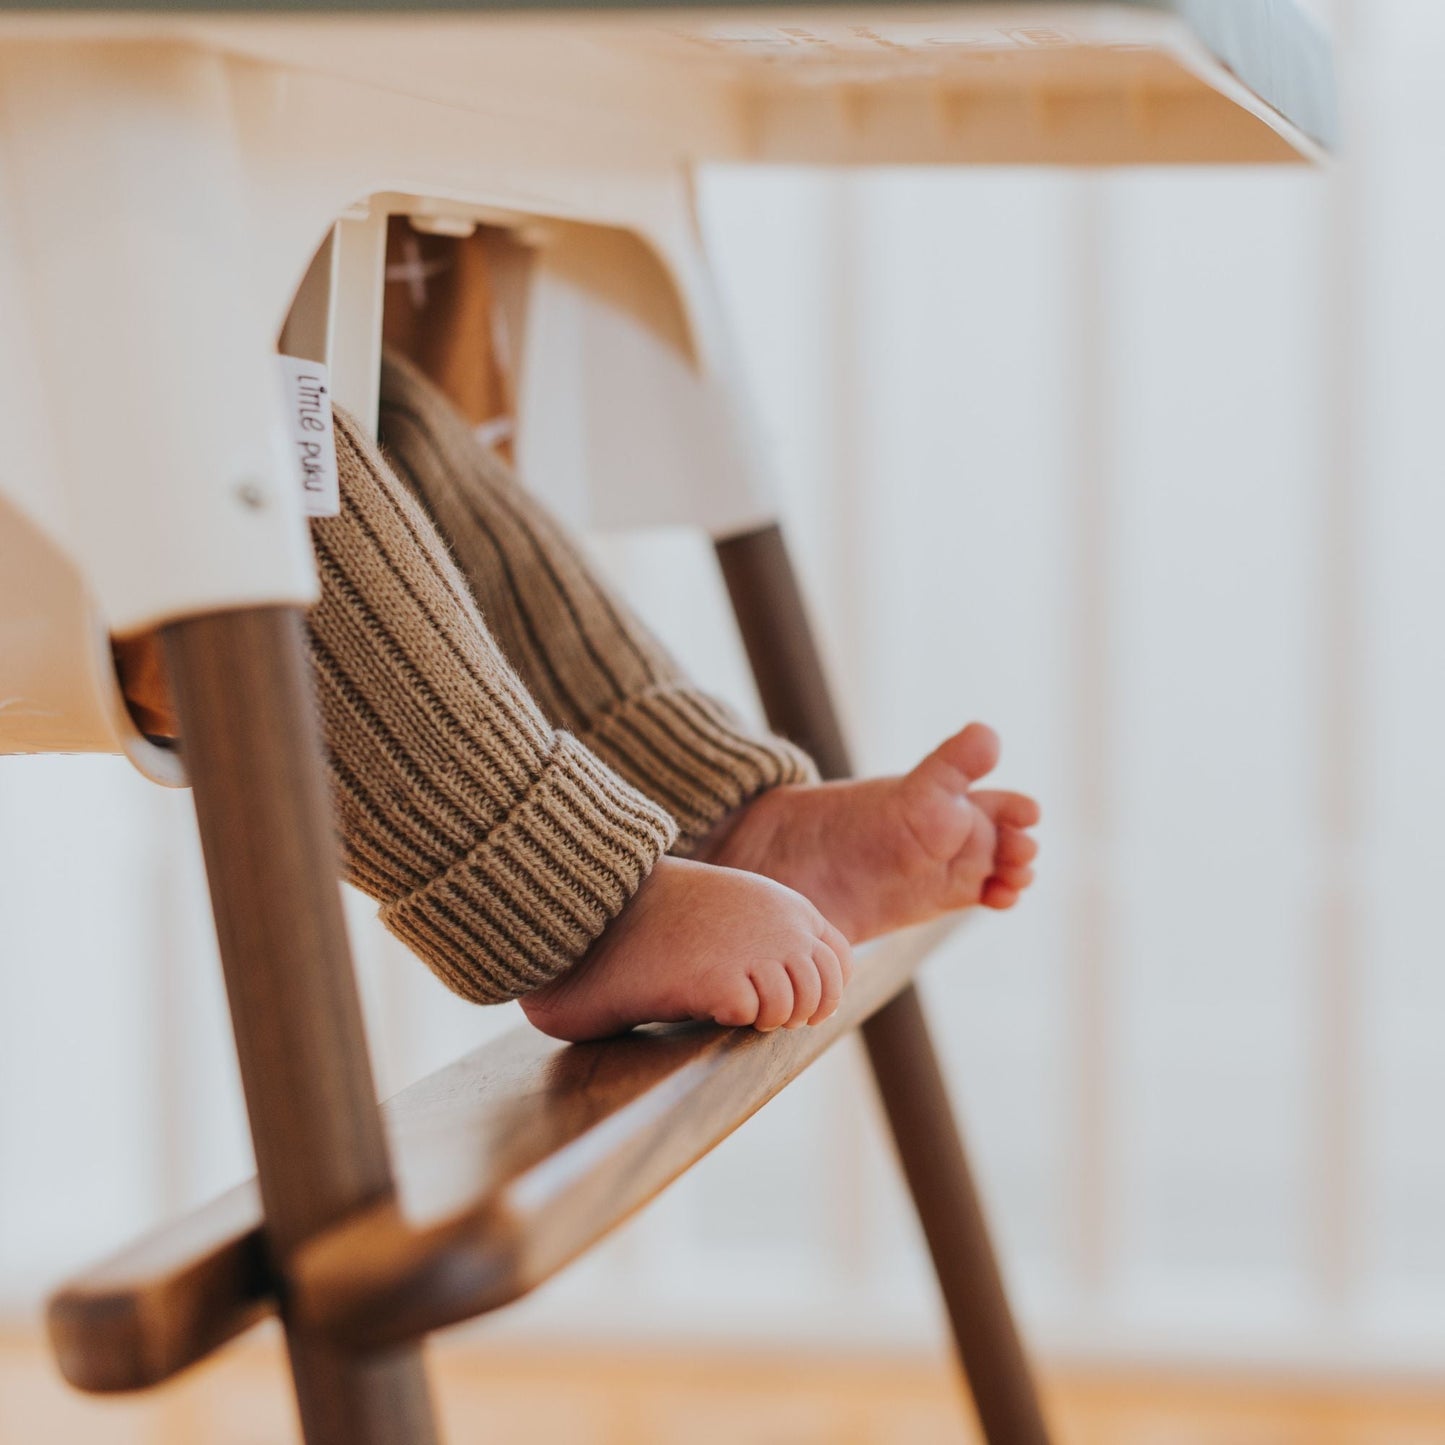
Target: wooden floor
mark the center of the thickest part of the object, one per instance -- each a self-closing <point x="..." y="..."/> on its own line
<point x="502" y="1397"/>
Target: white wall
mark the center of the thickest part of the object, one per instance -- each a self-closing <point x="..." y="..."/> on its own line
<point x="1144" y="470"/>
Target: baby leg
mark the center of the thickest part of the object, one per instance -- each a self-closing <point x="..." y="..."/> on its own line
<point x="501" y="849"/>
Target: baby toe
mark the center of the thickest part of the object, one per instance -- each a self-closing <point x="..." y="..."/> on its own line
<point x="807" y="991"/>
<point x="775" y="996"/>
<point x="1014" y="848"/>
<point x="957" y="764"/>
<point x="830" y="976"/>
<point x="1015" y="878"/>
<point x="841" y="950"/>
<point x="1008" y="810"/>
<point x="738" y="1004"/>
<point x="998" y="896"/>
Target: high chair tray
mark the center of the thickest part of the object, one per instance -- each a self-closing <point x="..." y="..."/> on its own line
<point x="242" y="139"/>
<point x="976" y="81"/>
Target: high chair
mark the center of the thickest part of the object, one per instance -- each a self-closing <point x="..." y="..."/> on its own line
<point x="178" y="190"/>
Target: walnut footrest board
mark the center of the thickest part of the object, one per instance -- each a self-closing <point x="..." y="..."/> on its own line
<point x="512" y="1161"/>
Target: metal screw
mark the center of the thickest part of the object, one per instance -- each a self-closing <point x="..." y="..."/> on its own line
<point x="251" y="494"/>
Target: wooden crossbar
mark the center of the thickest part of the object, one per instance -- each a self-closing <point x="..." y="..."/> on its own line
<point x="511" y="1162"/>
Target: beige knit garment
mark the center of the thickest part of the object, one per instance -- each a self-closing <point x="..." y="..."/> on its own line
<point x="592" y="666"/>
<point x="498" y="843"/>
<point x="498" y="847"/>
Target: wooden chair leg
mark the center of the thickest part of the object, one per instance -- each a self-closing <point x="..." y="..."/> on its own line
<point x="783" y="652"/>
<point x="253" y="751"/>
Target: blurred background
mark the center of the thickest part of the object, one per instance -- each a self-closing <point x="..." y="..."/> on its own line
<point x="1144" y="469"/>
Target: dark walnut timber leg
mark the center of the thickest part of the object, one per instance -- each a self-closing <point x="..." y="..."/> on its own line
<point x="253" y="751"/>
<point x="785" y="661"/>
<point x="931" y="1150"/>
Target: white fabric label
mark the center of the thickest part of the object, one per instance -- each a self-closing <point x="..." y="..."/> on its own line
<point x="308" y="407"/>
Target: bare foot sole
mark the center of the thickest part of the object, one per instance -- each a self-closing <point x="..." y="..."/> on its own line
<point x="701" y="942"/>
<point x="889" y="852"/>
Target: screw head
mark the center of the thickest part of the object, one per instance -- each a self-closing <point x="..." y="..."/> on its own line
<point x="252" y="495"/>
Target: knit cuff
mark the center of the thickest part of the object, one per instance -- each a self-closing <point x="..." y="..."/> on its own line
<point x="692" y="754"/>
<point x="528" y="901"/>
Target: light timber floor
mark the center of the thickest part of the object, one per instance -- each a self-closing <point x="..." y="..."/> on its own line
<point x="494" y="1396"/>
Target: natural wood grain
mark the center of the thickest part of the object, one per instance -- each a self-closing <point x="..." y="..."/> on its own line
<point x="772" y="617"/>
<point x="167" y="1301"/>
<point x="601" y="1393"/>
<point x="511" y="1162"/>
<point x="782" y="649"/>
<point x="441" y="314"/>
<point x="252" y="744"/>
<point x="520" y="1157"/>
<point x="930" y="1148"/>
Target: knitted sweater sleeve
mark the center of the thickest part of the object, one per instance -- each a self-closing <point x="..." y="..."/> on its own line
<point x="593" y="667"/>
<point x="498" y="845"/>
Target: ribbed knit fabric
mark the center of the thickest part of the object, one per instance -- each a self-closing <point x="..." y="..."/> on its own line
<point x="594" y="669"/>
<point x="498" y="846"/>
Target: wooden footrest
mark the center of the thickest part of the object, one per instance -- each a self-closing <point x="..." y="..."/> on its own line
<point x="510" y="1162"/>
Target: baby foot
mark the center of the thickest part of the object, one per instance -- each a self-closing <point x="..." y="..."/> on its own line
<point x="698" y="942"/>
<point x="889" y="852"/>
